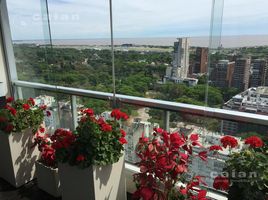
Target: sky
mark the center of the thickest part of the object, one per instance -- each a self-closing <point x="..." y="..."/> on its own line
<point x="85" y="19"/>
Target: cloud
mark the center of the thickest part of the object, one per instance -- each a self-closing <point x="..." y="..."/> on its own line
<point x="151" y="18"/>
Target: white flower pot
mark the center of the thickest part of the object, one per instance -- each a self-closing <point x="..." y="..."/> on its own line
<point x="17" y="157"/>
<point x="93" y="183"/>
<point x="48" y="179"/>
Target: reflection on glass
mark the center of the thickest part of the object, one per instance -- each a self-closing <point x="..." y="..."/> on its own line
<point x="31" y="39"/>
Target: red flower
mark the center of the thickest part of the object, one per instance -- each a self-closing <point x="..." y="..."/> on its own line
<point x="202" y="195"/>
<point x="122" y="140"/>
<point x="229" y="141"/>
<point x="9" y="99"/>
<point x="146" y="193"/>
<point x="48" y="113"/>
<point x="80" y="158"/>
<point x="176" y="140"/>
<point x="43" y="107"/>
<point x="254" y="141"/>
<point x="2" y="119"/>
<point x="194" y="137"/>
<point x="221" y="183"/>
<point x="123" y="133"/>
<point x="9" y="128"/>
<point x="117" y="114"/>
<point x="88" y="111"/>
<point x="11" y="109"/>
<point x="62" y="139"/>
<point x="26" y="106"/>
<point x="48" y="155"/>
<point x="42" y="129"/>
<point x="203" y="155"/>
<point x="215" y="148"/>
<point x="106" y="127"/>
<point x="31" y="101"/>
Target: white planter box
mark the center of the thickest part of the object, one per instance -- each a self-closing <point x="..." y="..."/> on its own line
<point x="48" y="179"/>
<point x="17" y="157"/>
<point x="93" y="183"/>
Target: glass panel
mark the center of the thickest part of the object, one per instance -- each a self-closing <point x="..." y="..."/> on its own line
<point x="81" y="44"/>
<point x="160" y="47"/>
<point x="238" y="64"/>
<point x="31" y="39"/>
<point x="59" y="106"/>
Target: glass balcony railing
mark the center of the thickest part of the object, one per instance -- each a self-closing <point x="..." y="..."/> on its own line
<point x="146" y="114"/>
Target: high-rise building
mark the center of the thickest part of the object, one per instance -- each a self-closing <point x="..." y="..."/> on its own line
<point x="241" y="74"/>
<point x="258" y="72"/>
<point x="180" y="64"/>
<point x="222" y="73"/>
<point x="201" y="60"/>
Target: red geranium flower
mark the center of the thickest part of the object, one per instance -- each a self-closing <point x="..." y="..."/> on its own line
<point x="9" y="128"/>
<point x="117" y="114"/>
<point x="254" y="141"/>
<point x="11" y="109"/>
<point x="203" y="155"/>
<point x="229" y="141"/>
<point x="9" y="99"/>
<point x="123" y="133"/>
<point x="2" y="119"/>
<point x="215" y="148"/>
<point x="194" y="137"/>
<point x="106" y="127"/>
<point x="26" y="106"/>
<point x="42" y="129"/>
<point x="31" y="101"/>
<point x="122" y="140"/>
<point x="221" y="183"/>
<point x="43" y="107"/>
<point x="88" y="112"/>
<point x="80" y="158"/>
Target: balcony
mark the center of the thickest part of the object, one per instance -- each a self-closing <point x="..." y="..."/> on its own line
<point x="159" y="92"/>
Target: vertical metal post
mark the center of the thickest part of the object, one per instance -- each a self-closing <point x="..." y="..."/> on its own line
<point x="214" y="36"/>
<point x="166" y="119"/>
<point x="19" y="92"/>
<point x="74" y="110"/>
<point x="112" y="50"/>
<point x="7" y="46"/>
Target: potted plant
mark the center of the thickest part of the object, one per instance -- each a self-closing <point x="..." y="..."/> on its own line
<point x="245" y="175"/>
<point x="91" y="161"/>
<point x="19" y="120"/>
<point x="46" y="167"/>
<point x="164" y="160"/>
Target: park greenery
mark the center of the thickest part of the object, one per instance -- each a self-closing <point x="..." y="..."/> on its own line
<point x="137" y="72"/>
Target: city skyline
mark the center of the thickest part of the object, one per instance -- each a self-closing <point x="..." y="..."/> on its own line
<point x="134" y="19"/>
